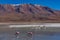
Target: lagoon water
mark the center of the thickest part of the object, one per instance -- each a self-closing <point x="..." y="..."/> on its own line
<point x="48" y="34"/>
<point x="24" y="36"/>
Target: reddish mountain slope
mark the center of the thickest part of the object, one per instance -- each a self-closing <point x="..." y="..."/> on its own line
<point x="28" y="12"/>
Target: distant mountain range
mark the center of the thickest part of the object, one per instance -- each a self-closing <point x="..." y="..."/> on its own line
<point x="28" y="13"/>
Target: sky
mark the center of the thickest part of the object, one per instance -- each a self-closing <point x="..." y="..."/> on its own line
<point x="54" y="4"/>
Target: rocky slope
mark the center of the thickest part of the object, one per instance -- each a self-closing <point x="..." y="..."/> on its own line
<point x="28" y="13"/>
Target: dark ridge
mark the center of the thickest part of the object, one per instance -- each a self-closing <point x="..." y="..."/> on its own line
<point x="2" y="8"/>
<point x="31" y="10"/>
<point x="48" y="9"/>
<point x="17" y="10"/>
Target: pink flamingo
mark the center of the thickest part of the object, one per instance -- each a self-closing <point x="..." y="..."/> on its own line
<point x="17" y="34"/>
<point x="30" y="33"/>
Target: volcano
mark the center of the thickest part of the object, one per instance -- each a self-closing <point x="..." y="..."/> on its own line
<point x="28" y="13"/>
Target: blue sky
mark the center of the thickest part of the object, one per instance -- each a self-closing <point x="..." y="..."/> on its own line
<point x="55" y="4"/>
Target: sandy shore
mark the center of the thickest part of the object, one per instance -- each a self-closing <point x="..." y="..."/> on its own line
<point x="50" y="27"/>
<point x="27" y="29"/>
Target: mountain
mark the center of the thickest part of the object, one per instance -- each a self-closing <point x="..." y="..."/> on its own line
<point x="28" y="13"/>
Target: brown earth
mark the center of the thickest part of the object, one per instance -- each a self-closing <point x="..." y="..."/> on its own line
<point x="28" y="13"/>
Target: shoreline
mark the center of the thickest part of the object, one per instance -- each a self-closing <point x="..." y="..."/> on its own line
<point x="25" y="29"/>
<point x="28" y="27"/>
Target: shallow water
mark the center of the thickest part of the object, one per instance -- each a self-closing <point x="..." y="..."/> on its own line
<point x="24" y="36"/>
